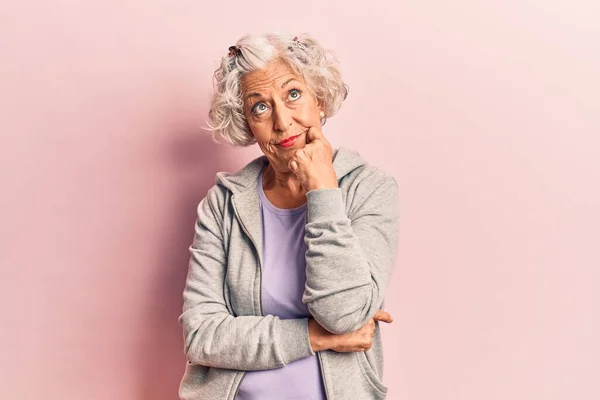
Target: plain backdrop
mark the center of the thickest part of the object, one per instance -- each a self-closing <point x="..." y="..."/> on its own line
<point x="486" y="112"/>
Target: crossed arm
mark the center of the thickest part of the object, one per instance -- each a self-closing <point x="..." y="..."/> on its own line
<point x="349" y="264"/>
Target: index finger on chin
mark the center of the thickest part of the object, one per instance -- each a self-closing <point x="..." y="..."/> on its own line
<point x="314" y="133"/>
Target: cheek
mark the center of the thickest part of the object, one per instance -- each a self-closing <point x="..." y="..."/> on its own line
<point x="308" y="114"/>
<point x="262" y="135"/>
<point x="258" y="130"/>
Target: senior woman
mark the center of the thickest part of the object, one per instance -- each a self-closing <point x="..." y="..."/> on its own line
<point x="292" y="254"/>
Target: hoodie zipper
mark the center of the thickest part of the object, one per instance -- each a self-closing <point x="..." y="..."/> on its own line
<point x="260" y="303"/>
<point x="323" y="374"/>
<point x="237" y="389"/>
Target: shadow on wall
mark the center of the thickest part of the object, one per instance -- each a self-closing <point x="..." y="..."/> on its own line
<point x="195" y="159"/>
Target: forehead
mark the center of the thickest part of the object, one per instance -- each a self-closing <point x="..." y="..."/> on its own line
<point x="275" y="74"/>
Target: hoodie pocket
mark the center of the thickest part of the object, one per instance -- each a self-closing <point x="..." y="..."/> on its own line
<point x="369" y="372"/>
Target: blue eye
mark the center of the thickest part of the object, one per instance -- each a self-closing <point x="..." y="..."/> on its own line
<point x="259" y="108"/>
<point x="295" y="94"/>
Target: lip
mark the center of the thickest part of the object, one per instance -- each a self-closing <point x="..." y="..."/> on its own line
<point x="290" y="141"/>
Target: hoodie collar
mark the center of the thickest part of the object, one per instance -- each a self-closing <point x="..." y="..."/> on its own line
<point x="344" y="161"/>
<point x="245" y="200"/>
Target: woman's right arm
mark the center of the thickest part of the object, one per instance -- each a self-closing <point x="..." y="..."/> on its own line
<point x="212" y="336"/>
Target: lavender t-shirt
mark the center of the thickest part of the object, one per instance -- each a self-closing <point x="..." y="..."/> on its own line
<point x="283" y="280"/>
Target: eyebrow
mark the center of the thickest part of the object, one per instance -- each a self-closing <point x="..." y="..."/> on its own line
<point x="260" y="95"/>
<point x="288" y="81"/>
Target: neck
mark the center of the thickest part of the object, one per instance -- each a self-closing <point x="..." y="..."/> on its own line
<point x="282" y="181"/>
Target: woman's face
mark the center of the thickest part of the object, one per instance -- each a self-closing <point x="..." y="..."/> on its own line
<point x="278" y="105"/>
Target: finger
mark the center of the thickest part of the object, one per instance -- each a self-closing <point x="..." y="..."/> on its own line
<point x="386" y="320"/>
<point x="293" y="165"/>
<point x="314" y="133"/>
<point x="308" y="150"/>
<point x="300" y="153"/>
<point x="301" y="156"/>
<point x="381" y="315"/>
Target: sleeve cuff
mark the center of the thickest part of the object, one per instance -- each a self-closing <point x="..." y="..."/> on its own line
<point x="325" y="204"/>
<point x="295" y="341"/>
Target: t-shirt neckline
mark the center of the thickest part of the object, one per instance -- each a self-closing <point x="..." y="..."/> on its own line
<point x="265" y="201"/>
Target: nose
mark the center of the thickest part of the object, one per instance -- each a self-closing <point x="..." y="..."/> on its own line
<point x="282" y="118"/>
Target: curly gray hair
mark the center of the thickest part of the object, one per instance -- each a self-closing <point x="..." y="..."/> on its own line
<point x="303" y="54"/>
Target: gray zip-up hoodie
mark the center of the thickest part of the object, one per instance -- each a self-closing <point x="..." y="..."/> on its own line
<point x="351" y="238"/>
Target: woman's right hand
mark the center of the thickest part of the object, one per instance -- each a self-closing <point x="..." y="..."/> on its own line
<point x="359" y="340"/>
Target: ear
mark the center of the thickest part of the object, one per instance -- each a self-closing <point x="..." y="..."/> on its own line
<point x="320" y="106"/>
<point x="316" y="99"/>
<point x="321" y="109"/>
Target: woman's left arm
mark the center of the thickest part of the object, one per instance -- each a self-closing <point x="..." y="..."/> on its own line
<point x="349" y="262"/>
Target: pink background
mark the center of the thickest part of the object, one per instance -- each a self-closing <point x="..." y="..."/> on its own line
<point x="487" y="113"/>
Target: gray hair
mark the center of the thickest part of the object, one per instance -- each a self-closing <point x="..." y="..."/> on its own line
<point x="303" y="54"/>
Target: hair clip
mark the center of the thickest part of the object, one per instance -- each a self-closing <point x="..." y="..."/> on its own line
<point x="299" y="43"/>
<point x="234" y="51"/>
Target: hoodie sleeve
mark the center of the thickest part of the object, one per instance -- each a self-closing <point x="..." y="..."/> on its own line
<point x="212" y="336"/>
<point x="349" y="261"/>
